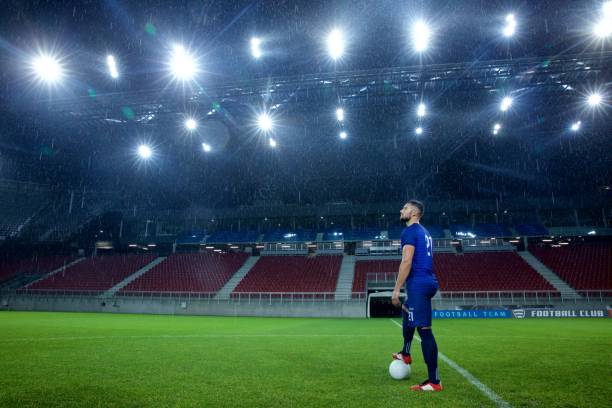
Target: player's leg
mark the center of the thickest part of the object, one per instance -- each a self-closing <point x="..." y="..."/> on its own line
<point x="408" y="334"/>
<point x="422" y="319"/>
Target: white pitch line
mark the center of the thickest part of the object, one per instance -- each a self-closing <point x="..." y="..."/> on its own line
<point x="492" y="395"/>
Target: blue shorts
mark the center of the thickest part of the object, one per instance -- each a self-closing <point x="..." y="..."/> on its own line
<point x="418" y="302"/>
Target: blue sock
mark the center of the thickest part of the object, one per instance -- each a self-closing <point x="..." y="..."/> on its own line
<point x="430" y="354"/>
<point x="408" y="333"/>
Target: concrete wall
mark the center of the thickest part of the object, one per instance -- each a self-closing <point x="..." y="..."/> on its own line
<point x="352" y="309"/>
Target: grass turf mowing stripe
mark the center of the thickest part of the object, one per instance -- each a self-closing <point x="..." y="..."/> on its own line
<point x="492" y="395"/>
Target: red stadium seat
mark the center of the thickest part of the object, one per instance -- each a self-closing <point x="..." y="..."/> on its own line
<point x="584" y="266"/>
<point x="193" y="272"/>
<point x="292" y="274"/>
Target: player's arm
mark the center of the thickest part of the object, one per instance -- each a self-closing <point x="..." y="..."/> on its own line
<point x="404" y="271"/>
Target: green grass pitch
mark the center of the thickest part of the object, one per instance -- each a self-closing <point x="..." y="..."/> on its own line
<point x="112" y="360"/>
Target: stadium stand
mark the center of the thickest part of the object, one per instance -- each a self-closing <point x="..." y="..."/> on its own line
<point x="191" y="237"/>
<point x="192" y="272"/>
<point x="584" y="266"/>
<point x="11" y="267"/>
<point x="483" y="271"/>
<point x="531" y="230"/>
<point x="94" y="274"/>
<point x="336" y="234"/>
<point x="231" y="237"/>
<point x="492" y="230"/>
<point x="362" y="268"/>
<point x="290" y="236"/>
<point x="361" y="234"/>
<point x="292" y="274"/>
<point x="395" y="232"/>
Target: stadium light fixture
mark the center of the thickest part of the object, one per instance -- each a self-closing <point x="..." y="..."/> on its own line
<point x="335" y="44"/>
<point x="183" y="65"/>
<point x="191" y="124"/>
<point x="264" y="122"/>
<point x="603" y="28"/>
<point x="206" y="147"/>
<point x="340" y="114"/>
<point x="594" y="99"/>
<point x="419" y="131"/>
<point x="343" y="135"/>
<point x="506" y="103"/>
<point x="256" y="48"/>
<point x="111" y="63"/>
<point x="510" y="27"/>
<point x="576" y="126"/>
<point x="421" y="35"/>
<point x="145" y="152"/>
<point x="496" y="128"/>
<point x="421" y="110"/>
<point x="272" y="142"/>
<point x="47" y="68"/>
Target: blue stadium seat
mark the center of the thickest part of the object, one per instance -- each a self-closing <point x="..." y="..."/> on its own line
<point x="233" y="237"/>
<point x="531" y="230"/>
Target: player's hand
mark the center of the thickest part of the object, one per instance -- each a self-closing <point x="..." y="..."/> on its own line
<point x="395" y="298"/>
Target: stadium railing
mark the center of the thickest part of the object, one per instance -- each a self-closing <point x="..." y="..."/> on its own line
<point x="249" y="297"/>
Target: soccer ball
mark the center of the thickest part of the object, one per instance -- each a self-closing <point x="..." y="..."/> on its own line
<point x="399" y="370"/>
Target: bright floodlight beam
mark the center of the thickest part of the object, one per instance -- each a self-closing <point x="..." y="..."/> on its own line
<point x="256" y="48"/>
<point x="206" y="147"/>
<point x="506" y="103"/>
<point x="421" y="35"/>
<point x="421" y="110"/>
<point x="272" y="142"/>
<point x="594" y="99"/>
<point x="111" y="63"/>
<point x="496" y="128"/>
<point x="576" y="126"/>
<point x="47" y="68"/>
<point x="264" y="121"/>
<point x="510" y="27"/>
<point x="144" y="152"/>
<point x="343" y="135"/>
<point x="335" y="44"/>
<point x="340" y="114"/>
<point x="191" y="124"/>
<point x="419" y="131"/>
<point x="183" y="65"/>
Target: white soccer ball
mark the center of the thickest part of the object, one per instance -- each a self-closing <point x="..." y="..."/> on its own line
<point x="399" y="370"/>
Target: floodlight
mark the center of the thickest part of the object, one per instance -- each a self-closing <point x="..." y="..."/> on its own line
<point x="111" y="63"/>
<point x="256" y="48"/>
<point x="183" y="65"/>
<point x="47" y="68"/>
<point x="420" y="36"/>
<point x="421" y="110"/>
<point x="191" y="124"/>
<point x="335" y="44"/>
<point x="418" y="130"/>
<point x="206" y="147"/>
<point x="144" y="151"/>
<point x="264" y="122"/>
<point x="506" y="103"/>
<point x="343" y="135"/>
<point x="340" y="114"/>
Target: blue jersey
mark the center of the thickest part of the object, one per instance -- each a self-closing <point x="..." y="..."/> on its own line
<point x="422" y="260"/>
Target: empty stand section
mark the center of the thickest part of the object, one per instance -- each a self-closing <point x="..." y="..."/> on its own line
<point x="93" y="274"/>
<point x="292" y="274"/>
<point x="584" y="266"/>
<point x="189" y="272"/>
<point x="35" y="265"/>
<point x="482" y="271"/>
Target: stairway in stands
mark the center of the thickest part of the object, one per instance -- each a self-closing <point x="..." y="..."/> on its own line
<point x="566" y="290"/>
<point x="344" y="288"/>
<point x="229" y="287"/>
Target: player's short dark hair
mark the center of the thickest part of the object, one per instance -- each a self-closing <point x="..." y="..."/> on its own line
<point x="418" y="205"/>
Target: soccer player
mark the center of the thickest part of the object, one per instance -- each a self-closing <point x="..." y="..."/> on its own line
<point x="416" y="271"/>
